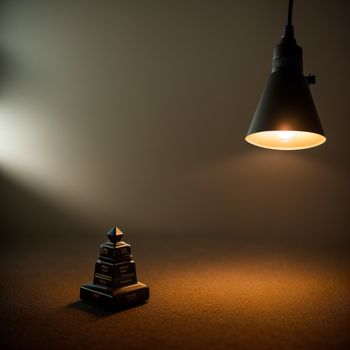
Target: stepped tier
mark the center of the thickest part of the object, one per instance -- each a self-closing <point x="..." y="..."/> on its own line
<point x="115" y="282"/>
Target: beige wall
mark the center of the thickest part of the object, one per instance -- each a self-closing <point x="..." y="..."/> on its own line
<point x="135" y="112"/>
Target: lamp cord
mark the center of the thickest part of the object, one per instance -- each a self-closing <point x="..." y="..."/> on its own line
<point x="290" y="12"/>
<point x="288" y="34"/>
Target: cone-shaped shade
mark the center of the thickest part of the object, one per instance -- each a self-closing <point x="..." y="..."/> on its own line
<point x="286" y="116"/>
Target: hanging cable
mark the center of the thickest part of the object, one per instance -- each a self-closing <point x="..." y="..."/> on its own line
<point x="290" y="12"/>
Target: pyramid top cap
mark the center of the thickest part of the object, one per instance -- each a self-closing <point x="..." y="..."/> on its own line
<point x="115" y="235"/>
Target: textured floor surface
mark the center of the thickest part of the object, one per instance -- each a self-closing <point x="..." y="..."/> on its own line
<point x="204" y="295"/>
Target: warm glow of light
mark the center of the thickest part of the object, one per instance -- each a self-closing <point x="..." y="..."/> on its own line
<point x="285" y="136"/>
<point x="286" y="140"/>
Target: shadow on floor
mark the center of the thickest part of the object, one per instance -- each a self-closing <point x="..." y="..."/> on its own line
<point x="98" y="311"/>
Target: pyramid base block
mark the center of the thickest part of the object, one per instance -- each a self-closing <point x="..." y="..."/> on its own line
<point x="119" y="298"/>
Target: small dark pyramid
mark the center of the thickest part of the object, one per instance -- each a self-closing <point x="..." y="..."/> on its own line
<point x="115" y="282"/>
<point x="115" y="235"/>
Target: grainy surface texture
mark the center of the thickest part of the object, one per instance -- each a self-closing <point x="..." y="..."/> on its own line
<point x="205" y="294"/>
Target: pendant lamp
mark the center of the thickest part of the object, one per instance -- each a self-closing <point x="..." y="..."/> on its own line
<point x="286" y="116"/>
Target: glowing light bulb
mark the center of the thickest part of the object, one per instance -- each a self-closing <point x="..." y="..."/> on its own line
<point x="286" y="140"/>
<point x="285" y="136"/>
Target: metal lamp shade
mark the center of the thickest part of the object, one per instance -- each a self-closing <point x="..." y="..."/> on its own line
<point x="286" y="116"/>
